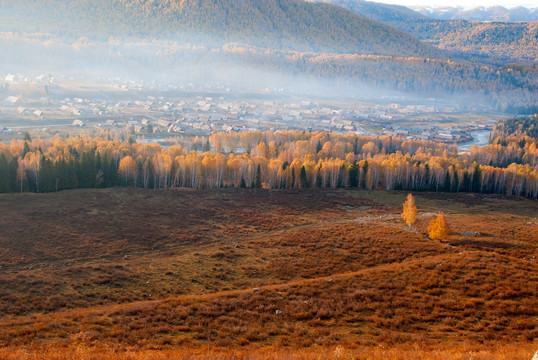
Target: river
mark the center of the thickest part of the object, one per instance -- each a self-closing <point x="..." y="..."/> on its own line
<point x="480" y="138"/>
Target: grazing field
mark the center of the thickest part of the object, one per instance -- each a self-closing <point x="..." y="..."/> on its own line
<point x="258" y="274"/>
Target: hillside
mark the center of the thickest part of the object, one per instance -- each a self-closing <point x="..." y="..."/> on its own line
<point x="492" y="41"/>
<point x="286" y="24"/>
<point x="139" y="270"/>
<point x="378" y="11"/>
<point x="516" y="128"/>
<point x="228" y="41"/>
<point x="501" y="40"/>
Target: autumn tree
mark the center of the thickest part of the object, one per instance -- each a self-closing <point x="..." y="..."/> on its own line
<point x="127" y="169"/>
<point x="33" y="166"/>
<point x="21" y="171"/>
<point x="162" y="166"/>
<point x="409" y="213"/>
<point x="438" y="229"/>
<point x="286" y="159"/>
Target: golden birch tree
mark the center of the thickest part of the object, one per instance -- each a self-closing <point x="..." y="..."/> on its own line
<point x="438" y="229"/>
<point x="127" y="168"/>
<point x="409" y="213"/>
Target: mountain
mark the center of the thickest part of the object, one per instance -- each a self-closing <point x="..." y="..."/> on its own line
<point x="378" y="11"/>
<point x="497" y="42"/>
<point x="284" y="24"/>
<point x="203" y="41"/>
<point x="500" y="41"/>
<point x="481" y="13"/>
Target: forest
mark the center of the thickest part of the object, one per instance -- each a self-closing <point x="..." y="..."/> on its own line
<point x="278" y="160"/>
<point x="511" y="89"/>
<point x="284" y="24"/>
<point x="495" y="42"/>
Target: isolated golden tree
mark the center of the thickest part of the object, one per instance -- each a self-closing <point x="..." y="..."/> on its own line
<point x="409" y="213"/>
<point x="438" y="229"/>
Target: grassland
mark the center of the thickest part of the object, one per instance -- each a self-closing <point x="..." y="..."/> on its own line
<point x="255" y="274"/>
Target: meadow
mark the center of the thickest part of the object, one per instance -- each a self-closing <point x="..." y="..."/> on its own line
<point x="265" y="274"/>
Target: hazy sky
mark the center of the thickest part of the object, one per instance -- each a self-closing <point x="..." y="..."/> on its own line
<point x="462" y="3"/>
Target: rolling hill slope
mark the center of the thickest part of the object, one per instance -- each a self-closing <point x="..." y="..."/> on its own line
<point x="287" y="24"/>
<point x="500" y="41"/>
<point x="132" y="269"/>
<point x="378" y="11"/>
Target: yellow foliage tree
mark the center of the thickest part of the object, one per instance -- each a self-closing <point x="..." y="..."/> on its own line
<point x="409" y="213"/>
<point x="127" y="168"/>
<point x="438" y="229"/>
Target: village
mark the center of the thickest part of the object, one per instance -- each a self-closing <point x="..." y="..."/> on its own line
<point x="45" y="111"/>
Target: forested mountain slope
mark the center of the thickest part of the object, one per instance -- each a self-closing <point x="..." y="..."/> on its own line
<point x="517" y="41"/>
<point x="287" y="24"/>
<point x="378" y="11"/>
<point x="290" y="37"/>
<point x="500" y="41"/>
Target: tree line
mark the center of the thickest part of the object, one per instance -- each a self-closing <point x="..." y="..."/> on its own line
<point x="508" y="90"/>
<point x="273" y="160"/>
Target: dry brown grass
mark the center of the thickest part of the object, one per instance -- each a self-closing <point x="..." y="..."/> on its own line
<point x="415" y="352"/>
<point x="170" y="274"/>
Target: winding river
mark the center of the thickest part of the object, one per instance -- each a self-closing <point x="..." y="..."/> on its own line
<point x="480" y="138"/>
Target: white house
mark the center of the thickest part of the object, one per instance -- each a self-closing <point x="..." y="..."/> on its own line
<point x="13" y="99"/>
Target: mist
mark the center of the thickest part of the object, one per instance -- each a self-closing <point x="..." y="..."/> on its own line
<point x="234" y="68"/>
